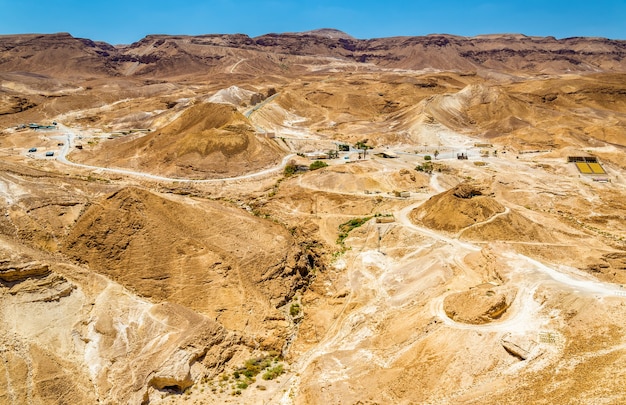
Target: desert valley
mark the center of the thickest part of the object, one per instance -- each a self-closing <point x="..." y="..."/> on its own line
<point x="312" y="218"/>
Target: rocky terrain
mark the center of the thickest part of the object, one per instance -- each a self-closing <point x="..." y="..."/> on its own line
<point x="165" y="239"/>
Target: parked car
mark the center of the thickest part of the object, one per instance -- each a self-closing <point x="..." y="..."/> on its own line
<point x="32" y="150"/>
<point x="49" y="153"/>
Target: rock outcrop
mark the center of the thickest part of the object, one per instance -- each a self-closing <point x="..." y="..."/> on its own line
<point x="479" y="305"/>
<point x="11" y="272"/>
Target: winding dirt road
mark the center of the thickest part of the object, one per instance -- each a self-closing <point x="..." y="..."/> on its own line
<point x="369" y="275"/>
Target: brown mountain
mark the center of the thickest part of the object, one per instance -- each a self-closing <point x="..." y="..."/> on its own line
<point x="178" y="55"/>
<point x="207" y="140"/>
<point x="55" y="55"/>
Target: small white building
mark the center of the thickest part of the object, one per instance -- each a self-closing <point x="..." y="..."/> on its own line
<point x="316" y="155"/>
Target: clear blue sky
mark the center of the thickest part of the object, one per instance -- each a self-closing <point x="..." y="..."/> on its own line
<point x="127" y="21"/>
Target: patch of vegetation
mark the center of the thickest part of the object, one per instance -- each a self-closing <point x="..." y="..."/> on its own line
<point x="273" y="372"/>
<point x="426" y="167"/>
<point x="332" y="154"/>
<point x="318" y="164"/>
<point x="346" y="227"/>
<point x="92" y="179"/>
<point x="290" y="170"/>
<point x="245" y="375"/>
<point x="362" y="145"/>
<point x="428" y="157"/>
<point x="338" y="253"/>
<point x="276" y="186"/>
<point x="252" y="367"/>
<point x="294" y="309"/>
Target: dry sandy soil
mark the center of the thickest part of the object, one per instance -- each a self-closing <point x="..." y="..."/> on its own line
<point x="163" y="254"/>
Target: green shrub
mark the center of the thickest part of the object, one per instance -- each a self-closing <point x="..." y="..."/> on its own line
<point x="255" y="366"/>
<point x="318" y="164"/>
<point x="346" y="227"/>
<point x="290" y="170"/>
<point x="427" y="157"/>
<point x="273" y="372"/>
<point x="294" y="310"/>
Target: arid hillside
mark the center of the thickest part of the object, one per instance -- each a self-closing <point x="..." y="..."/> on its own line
<point x="207" y="140"/>
<point x="309" y="218"/>
<point x="192" y="256"/>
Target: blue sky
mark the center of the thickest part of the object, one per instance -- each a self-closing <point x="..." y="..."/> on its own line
<point x="127" y="21"/>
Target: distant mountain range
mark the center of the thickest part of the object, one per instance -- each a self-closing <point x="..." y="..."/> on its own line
<point x="62" y="55"/>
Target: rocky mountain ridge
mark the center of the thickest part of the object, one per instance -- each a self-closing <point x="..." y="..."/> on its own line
<point x="164" y="55"/>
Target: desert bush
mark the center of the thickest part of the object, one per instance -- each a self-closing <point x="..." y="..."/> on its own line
<point x="290" y="170"/>
<point x="273" y="372"/>
<point x="318" y="164"/>
<point x="346" y="227"/>
<point x="294" y="310"/>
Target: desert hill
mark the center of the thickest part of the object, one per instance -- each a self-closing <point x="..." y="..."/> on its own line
<point x="327" y="33"/>
<point x="457" y="208"/>
<point x="468" y="210"/>
<point x="53" y="54"/>
<point x="205" y="258"/>
<point x="207" y="140"/>
<point x="533" y="114"/>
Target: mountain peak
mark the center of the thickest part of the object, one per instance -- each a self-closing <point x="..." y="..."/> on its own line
<point x="328" y="33"/>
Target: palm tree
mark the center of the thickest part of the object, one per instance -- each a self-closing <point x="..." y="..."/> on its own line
<point x="362" y="145"/>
